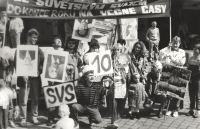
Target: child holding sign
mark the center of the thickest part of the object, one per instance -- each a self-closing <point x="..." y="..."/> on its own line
<point x="136" y="94"/>
<point x="5" y="99"/>
<point x="65" y="122"/>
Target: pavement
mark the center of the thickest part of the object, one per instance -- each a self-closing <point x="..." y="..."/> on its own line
<point x="145" y="122"/>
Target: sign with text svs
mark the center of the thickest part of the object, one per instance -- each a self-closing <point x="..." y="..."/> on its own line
<point x="59" y="94"/>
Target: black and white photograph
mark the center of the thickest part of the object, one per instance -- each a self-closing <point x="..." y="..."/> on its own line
<point x="100" y="64"/>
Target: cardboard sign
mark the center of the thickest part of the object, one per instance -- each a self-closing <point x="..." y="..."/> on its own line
<point x="59" y="94"/>
<point x="101" y="62"/>
<point x="174" y="80"/>
<point x="27" y="60"/>
<point x="54" y="65"/>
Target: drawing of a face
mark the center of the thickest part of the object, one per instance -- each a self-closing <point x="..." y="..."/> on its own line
<point x="83" y="28"/>
<point x="53" y="70"/>
<point x="27" y="60"/>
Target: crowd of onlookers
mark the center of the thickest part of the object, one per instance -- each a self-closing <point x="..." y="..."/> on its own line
<point x="93" y="92"/>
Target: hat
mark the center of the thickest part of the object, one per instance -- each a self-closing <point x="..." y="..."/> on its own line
<point x="87" y="69"/>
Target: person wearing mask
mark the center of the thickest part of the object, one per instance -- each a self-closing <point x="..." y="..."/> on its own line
<point x="120" y="78"/>
<point x="30" y="84"/>
<point x="175" y="56"/>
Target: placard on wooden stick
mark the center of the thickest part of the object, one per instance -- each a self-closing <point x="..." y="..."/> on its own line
<point x="59" y="94"/>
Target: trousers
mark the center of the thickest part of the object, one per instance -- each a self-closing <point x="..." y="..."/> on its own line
<point x="92" y="113"/>
<point x="194" y="93"/>
<point x="174" y="104"/>
<point x="153" y="46"/>
<point x="15" y="38"/>
<point x="3" y="118"/>
<point x="33" y="88"/>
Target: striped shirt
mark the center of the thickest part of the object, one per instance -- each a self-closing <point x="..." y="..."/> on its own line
<point x="91" y="96"/>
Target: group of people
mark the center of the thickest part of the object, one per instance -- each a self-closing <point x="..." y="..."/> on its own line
<point x="93" y="92"/>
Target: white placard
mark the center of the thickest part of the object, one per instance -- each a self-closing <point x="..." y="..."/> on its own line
<point x="59" y="94"/>
<point x="101" y="62"/>
<point x="54" y="65"/>
<point x="27" y="60"/>
<point x="82" y="29"/>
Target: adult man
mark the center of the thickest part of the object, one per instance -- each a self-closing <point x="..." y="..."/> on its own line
<point x="153" y="37"/>
<point x="30" y="84"/>
<point x="15" y="29"/>
<point x="89" y="96"/>
<point x="152" y="90"/>
<point x="175" y="56"/>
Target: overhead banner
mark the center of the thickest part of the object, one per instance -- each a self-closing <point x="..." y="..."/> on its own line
<point x="63" y="9"/>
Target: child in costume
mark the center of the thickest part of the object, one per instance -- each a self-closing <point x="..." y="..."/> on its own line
<point x="136" y="94"/>
<point x="65" y="122"/>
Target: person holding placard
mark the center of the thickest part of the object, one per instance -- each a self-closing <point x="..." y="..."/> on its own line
<point x="30" y="84"/>
<point x="57" y="44"/>
<point x="74" y="61"/>
<point x="90" y="95"/>
<point x="194" y="85"/>
<point x="175" y="56"/>
<point x="120" y="80"/>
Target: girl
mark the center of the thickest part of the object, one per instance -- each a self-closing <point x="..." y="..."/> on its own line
<point x="136" y="94"/>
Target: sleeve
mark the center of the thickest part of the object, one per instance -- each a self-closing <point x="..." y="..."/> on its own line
<point x="80" y="64"/>
<point x="102" y="95"/>
<point x="21" y="25"/>
<point x="158" y="35"/>
<point x="147" y="35"/>
<point x="41" y="60"/>
<point x="183" y="59"/>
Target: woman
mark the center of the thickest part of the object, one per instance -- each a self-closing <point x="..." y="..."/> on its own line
<point x="120" y="77"/>
<point x="74" y="62"/>
<point x="139" y="61"/>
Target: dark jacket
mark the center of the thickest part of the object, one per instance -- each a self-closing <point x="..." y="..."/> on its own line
<point x="21" y="81"/>
<point x="92" y="96"/>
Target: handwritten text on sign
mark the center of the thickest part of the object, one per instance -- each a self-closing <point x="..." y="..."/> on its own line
<point x="59" y="94"/>
<point x="101" y="62"/>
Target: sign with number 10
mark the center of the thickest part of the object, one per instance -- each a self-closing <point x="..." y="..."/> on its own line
<point x="101" y="62"/>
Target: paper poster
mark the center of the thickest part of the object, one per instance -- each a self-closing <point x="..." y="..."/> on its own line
<point x="101" y="62"/>
<point x="129" y="28"/>
<point x="54" y="65"/>
<point x="103" y="31"/>
<point x="27" y="60"/>
<point x="59" y="94"/>
<point x="120" y="90"/>
<point x="82" y="29"/>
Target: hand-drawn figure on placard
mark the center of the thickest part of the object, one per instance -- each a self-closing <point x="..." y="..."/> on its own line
<point x="27" y="58"/>
<point x="54" y="67"/>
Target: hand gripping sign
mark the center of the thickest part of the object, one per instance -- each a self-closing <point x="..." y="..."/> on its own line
<point x="59" y="94"/>
<point x="101" y="62"/>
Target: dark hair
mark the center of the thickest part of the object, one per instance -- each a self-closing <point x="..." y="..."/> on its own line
<point x="82" y="33"/>
<point x="93" y="43"/>
<point x="143" y="49"/>
<point x="71" y="39"/>
<point x="121" y="41"/>
<point x="55" y="39"/>
<point x="197" y="45"/>
<point x="32" y="31"/>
